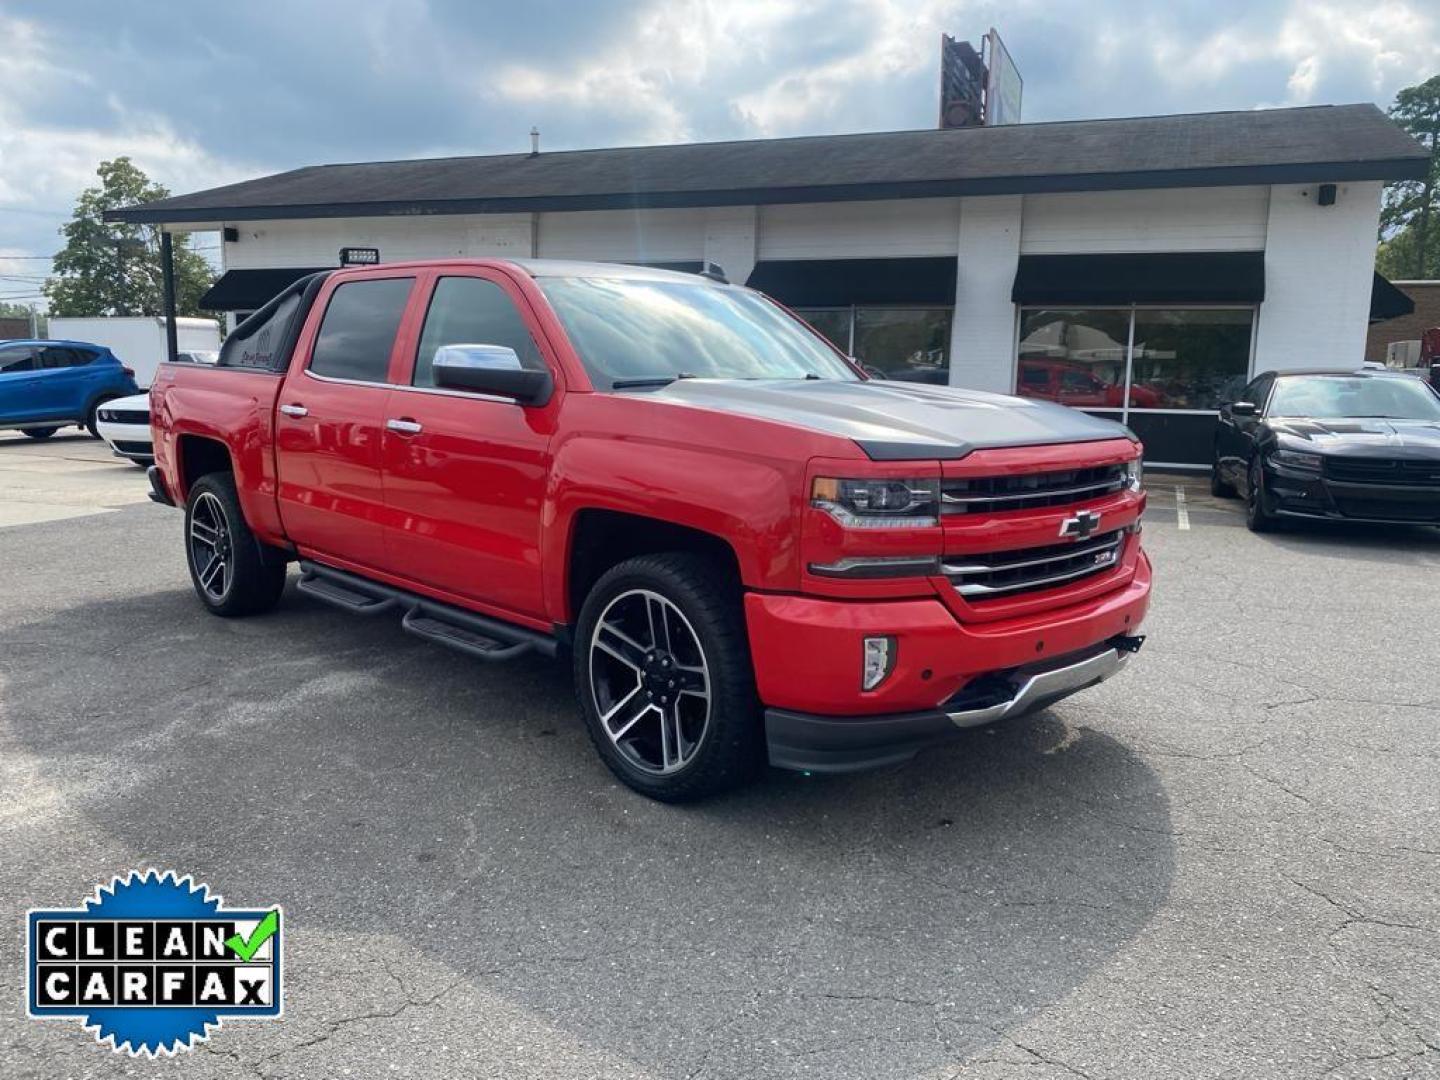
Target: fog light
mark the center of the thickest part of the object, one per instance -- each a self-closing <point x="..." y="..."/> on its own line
<point x="879" y="661"/>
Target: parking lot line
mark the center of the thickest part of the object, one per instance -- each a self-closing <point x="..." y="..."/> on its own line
<point x="1182" y="515"/>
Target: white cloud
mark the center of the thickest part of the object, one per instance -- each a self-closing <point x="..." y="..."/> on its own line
<point x="43" y="167"/>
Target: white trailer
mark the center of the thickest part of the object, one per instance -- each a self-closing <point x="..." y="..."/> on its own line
<point x="138" y="341"/>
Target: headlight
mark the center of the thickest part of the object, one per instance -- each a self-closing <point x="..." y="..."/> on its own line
<point x="1294" y="459"/>
<point x="1134" y="475"/>
<point x="879" y="503"/>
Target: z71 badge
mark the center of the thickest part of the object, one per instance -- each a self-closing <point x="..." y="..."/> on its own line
<point x="152" y="962"/>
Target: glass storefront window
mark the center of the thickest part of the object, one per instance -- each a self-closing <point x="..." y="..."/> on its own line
<point x="834" y="323"/>
<point x="1182" y="358"/>
<point x="905" y="343"/>
<point x="911" y="344"/>
<point x="1188" y="358"/>
<point x="1075" y="357"/>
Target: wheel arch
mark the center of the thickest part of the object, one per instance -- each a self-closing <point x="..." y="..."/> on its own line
<point x="601" y="538"/>
<point x="198" y="456"/>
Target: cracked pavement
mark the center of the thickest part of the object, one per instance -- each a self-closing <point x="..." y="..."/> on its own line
<point x="1221" y="864"/>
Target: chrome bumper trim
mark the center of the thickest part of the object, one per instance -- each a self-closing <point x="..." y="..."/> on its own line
<point x="1045" y="688"/>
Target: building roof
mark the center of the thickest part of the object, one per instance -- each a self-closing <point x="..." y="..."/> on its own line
<point x="1317" y="143"/>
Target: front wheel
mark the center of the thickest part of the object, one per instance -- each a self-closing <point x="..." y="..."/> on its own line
<point x="662" y="671"/>
<point x="1257" y="511"/>
<point x="1218" y="487"/>
<point x="40" y="432"/>
<point x="233" y="573"/>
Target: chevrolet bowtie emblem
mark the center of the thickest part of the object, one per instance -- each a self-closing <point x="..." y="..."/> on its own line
<point x="1081" y="525"/>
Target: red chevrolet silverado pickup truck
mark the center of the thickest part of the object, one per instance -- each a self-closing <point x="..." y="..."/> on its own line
<point x="747" y="547"/>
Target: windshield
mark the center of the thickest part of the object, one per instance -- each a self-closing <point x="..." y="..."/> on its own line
<point x="1333" y="397"/>
<point x="633" y="331"/>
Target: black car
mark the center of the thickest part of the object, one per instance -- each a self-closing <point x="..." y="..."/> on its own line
<point x="1331" y="445"/>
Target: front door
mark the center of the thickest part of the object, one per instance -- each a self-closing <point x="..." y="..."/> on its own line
<point x="465" y="473"/>
<point x="1235" y="435"/>
<point x="20" y="378"/>
<point x="329" y="421"/>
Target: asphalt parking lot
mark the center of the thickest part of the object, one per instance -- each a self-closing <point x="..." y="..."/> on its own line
<point x="1223" y="863"/>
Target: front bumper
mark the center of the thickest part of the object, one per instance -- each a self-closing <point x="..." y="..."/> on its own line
<point x="132" y="441"/>
<point x="948" y="673"/>
<point x="831" y="744"/>
<point x="1298" y="494"/>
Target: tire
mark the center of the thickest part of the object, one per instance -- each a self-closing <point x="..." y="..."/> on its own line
<point x="39" y="433"/>
<point x="1258" y="517"/>
<point x="1218" y="487"/>
<point x="92" y="419"/>
<point x="250" y="576"/>
<point x="687" y="743"/>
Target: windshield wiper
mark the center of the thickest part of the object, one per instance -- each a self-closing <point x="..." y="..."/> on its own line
<point x="657" y="380"/>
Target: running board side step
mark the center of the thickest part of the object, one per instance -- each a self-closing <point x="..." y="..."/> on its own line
<point x="445" y="624"/>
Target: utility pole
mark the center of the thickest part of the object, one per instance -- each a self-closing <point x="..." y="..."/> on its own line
<point x="34" y="322"/>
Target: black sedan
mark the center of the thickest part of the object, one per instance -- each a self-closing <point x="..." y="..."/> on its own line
<point x="1331" y="445"/>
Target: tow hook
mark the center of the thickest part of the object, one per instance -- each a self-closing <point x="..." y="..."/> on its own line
<point x="1128" y="642"/>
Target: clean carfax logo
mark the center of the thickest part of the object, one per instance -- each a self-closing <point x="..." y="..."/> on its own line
<point x="152" y="962"/>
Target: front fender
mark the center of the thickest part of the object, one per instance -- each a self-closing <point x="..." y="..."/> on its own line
<point x="748" y="500"/>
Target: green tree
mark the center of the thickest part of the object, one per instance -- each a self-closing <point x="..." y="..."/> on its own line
<point x="13" y="311"/>
<point x="1410" y="217"/>
<point x="113" y="268"/>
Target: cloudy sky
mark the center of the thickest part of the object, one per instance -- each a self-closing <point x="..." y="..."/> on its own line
<point x="201" y="94"/>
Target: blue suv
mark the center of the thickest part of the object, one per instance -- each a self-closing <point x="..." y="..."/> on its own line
<point x="47" y="385"/>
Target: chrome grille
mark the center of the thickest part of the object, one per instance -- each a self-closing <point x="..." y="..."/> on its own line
<point x="1407" y="473"/>
<point x="1029" y="491"/>
<point x="998" y="573"/>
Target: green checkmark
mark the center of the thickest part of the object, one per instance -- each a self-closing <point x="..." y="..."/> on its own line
<point x="244" y="948"/>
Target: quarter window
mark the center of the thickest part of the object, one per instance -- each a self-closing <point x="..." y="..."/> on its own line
<point x="358" y="332"/>
<point x="472" y="311"/>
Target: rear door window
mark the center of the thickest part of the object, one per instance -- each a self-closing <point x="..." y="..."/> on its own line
<point x="359" y="328"/>
<point x="54" y="356"/>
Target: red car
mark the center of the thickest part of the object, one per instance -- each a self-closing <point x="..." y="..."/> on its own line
<point x="1077" y="386"/>
<point x="746" y="548"/>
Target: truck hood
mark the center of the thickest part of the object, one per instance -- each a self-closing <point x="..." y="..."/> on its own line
<point x="1361" y="436"/>
<point x="897" y="421"/>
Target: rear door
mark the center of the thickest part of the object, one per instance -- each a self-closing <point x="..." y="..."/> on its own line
<point x="70" y="383"/>
<point x="330" y="417"/>
<point x="465" y="473"/>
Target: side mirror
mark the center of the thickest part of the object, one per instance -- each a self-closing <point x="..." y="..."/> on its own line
<point x="1243" y="408"/>
<point x="490" y="369"/>
<point x="870" y="370"/>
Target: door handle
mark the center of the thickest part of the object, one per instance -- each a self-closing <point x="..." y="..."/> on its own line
<point x="294" y="410"/>
<point x="403" y="426"/>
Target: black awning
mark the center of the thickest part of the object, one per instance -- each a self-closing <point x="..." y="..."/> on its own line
<point x="1206" y="277"/>
<point x="842" y="282"/>
<point x="1388" y="302"/>
<point x="246" y="290"/>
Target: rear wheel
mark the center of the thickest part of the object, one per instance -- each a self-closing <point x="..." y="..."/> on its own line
<point x="40" y="432"/>
<point x="233" y="573"/>
<point x="662" y="670"/>
<point x="92" y="418"/>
